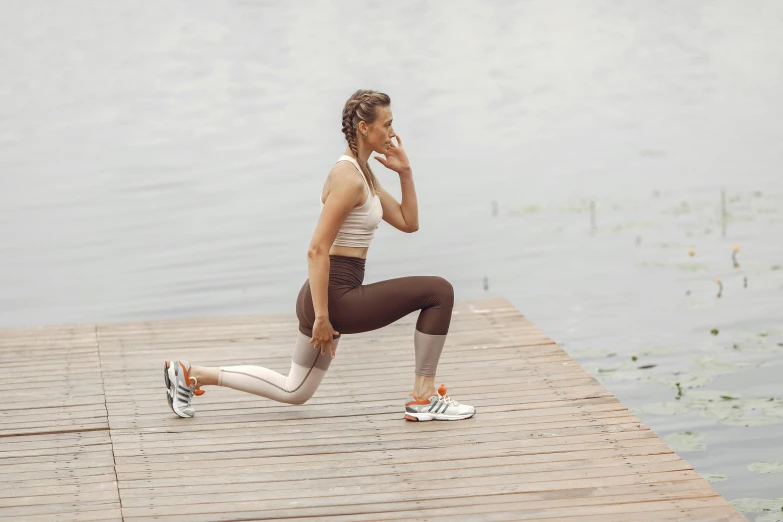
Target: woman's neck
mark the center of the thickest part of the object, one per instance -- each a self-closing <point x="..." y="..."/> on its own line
<point x="364" y="155"/>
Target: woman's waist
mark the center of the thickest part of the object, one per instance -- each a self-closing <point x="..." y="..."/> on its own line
<point x="346" y="270"/>
<point x="349" y="251"/>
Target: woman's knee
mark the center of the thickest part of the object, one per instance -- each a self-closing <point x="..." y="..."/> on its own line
<point x="443" y="289"/>
<point x="300" y="398"/>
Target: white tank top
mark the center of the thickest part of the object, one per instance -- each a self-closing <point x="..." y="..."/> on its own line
<point x="359" y="226"/>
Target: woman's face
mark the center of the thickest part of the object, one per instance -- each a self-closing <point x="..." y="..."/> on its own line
<point x="381" y="132"/>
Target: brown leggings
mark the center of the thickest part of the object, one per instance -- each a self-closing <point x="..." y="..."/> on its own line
<point x="355" y="307"/>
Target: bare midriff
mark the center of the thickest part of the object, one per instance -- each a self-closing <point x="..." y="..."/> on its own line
<point x="337" y="250"/>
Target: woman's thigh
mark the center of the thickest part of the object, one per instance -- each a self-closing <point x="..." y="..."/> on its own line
<point x="373" y="306"/>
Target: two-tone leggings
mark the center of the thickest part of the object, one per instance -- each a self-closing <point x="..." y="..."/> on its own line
<point x="353" y="308"/>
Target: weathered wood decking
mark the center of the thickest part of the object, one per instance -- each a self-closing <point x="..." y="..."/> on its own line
<point x="86" y="433"/>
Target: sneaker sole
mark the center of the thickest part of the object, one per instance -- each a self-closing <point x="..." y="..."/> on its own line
<point x="168" y="386"/>
<point x="435" y="416"/>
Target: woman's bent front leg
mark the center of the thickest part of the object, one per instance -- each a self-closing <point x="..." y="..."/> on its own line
<point x="373" y="306"/>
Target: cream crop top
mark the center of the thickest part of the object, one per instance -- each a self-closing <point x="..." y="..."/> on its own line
<point x="359" y="226"/>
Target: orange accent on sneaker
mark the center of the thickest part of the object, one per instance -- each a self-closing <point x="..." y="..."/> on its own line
<point x="198" y="391"/>
<point x="420" y="401"/>
<point x="411" y="418"/>
<point x="442" y="389"/>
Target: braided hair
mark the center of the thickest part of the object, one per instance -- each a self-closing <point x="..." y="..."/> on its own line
<point x="362" y="106"/>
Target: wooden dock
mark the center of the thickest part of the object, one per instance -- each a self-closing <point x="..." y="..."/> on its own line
<point x="86" y="433"/>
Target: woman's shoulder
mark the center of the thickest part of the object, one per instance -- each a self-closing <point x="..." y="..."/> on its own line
<point x="342" y="180"/>
<point x="345" y="172"/>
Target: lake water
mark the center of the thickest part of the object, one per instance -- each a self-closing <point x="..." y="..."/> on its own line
<point x="164" y="159"/>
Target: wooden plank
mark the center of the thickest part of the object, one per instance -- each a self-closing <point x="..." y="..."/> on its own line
<point x="128" y="439"/>
<point x="331" y="497"/>
<point x="370" y="457"/>
<point x="244" y="472"/>
<point x="101" y="493"/>
<point x="63" y="476"/>
<point x="162" y="444"/>
<point x="458" y="443"/>
<point x="357" y="491"/>
<point x="378" y="472"/>
<point x="559" y="509"/>
<point x="52" y="510"/>
<point x="102" y="515"/>
<point x="391" y="482"/>
<point x="55" y="486"/>
<point x="478" y="505"/>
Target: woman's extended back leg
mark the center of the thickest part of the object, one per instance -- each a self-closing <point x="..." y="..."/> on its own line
<point x="308" y="368"/>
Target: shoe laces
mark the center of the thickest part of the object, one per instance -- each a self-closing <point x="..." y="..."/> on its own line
<point x="445" y="398"/>
<point x="194" y="388"/>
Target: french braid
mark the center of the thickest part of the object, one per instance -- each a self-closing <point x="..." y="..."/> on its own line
<point x="362" y="106"/>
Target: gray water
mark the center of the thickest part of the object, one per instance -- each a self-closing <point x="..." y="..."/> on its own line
<point x="163" y="159"/>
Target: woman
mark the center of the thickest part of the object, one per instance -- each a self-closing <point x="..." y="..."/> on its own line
<point x="352" y="204"/>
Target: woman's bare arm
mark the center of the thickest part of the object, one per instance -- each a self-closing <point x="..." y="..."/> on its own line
<point x="345" y="191"/>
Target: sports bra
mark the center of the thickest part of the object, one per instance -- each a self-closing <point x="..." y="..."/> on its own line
<point x="359" y="226"/>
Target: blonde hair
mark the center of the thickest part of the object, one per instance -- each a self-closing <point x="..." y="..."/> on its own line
<point x="362" y="106"/>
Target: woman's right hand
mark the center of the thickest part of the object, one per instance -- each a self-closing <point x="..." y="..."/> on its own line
<point x="322" y="335"/>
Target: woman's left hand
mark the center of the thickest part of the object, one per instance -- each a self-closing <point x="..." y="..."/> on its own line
<point x="395" y="159"/>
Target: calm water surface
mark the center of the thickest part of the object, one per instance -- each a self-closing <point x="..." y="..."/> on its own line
<point x="164" y="160"/>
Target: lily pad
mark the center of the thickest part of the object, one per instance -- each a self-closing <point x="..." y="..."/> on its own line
<point x="661" y="350"/>
<point x="687" y="441"/>
<point x="750" y="420"/>
<point x="758" y="505"/>
<point x="715" y="366"/>
<point x="714" y="477"/>
<point x="692" y="267"/>
<point x="766" y="467"/>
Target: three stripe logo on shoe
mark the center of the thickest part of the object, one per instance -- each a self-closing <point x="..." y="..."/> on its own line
<point x="182" y="391"/>
<point x="439" y="406"/>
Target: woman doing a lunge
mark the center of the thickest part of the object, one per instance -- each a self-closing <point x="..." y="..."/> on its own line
<point x="352" y="204"/>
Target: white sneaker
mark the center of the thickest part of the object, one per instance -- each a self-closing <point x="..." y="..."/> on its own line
<point x="437" y="406"/>
<point x="179" y="388"/>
